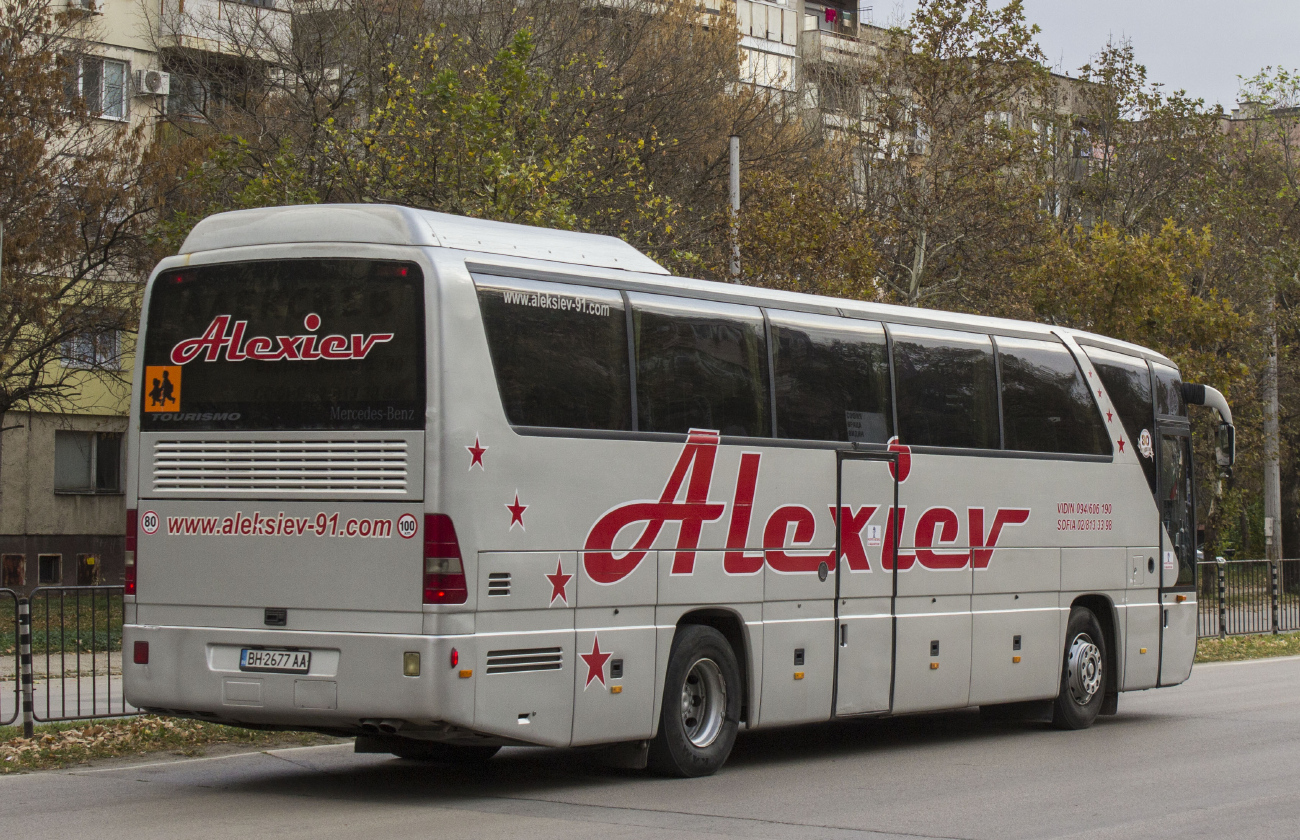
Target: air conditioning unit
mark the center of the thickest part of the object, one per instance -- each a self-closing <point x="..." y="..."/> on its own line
<point x="152" y="83"/>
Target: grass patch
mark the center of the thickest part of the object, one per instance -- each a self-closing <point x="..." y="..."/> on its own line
<point x="1247" y="647"/>
<point x="67" y="620"/>
<point x="58" y="745"/>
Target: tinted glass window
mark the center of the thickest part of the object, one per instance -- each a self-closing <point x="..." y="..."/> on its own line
<point x="946" y="388"/>
<point x="559" y="352"/>
<point x="1128" y="384"/>
<point x="700" y="365"/>
<point x="1046" y="407"/>
<point x="1176" y="512"/>
<point x="832" y="378"/>
<point x="1169" y="390"/>
<point x="286" y="344"/>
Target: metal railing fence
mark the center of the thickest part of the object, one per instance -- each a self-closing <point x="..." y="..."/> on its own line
<point x="1237" y="597"/>
<point x="77" y="652"/>
<point x="10" y="660"/>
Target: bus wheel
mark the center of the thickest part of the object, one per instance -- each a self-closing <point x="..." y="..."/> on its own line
<point x="701" y="708"/>
<point x="1084" y="679"/>
<point x="414" y="750"/>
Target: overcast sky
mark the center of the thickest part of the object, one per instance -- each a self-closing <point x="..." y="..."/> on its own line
<point x="1192" y="44"/>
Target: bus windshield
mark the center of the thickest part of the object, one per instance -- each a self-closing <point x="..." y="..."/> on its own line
<point x="285" y="344"/>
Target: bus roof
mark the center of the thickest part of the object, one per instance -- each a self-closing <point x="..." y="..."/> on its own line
<point x="388" y="224"/>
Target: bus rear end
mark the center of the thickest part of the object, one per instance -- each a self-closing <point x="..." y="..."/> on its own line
<point x="276" y="541"/>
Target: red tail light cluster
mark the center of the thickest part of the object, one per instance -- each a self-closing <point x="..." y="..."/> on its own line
<point x="129" y="576"/>
<point x="444" y="573"/>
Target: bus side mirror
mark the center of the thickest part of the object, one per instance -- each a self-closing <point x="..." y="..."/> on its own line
<point x="1225" y="445"/>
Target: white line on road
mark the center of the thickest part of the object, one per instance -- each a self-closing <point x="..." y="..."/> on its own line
<point x="273" y="752"/>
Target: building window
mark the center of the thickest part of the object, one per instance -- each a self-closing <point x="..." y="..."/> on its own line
<point x="13" y="571"/>
<point x="87" y="462"/>
<point x="88" y="570"/>
<point x="188" y="97"/>
<point x="49" y="569"/>
<point x="93" y="349"/>
<point x="102" y="83"/>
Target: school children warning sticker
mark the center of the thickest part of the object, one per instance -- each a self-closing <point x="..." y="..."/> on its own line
<point x="162" y="388"/>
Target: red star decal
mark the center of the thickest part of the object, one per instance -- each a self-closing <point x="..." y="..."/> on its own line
<point x="476" y="454"/>
<point x="517" y="513"/>
<point x="1090" y="374"/>
<point x="1110" y="415"/>
<point x="1121" y="444"/>
<point x="559" y="581"/>
<point x="1099" y="392"/>
<point x="595" y="663"/>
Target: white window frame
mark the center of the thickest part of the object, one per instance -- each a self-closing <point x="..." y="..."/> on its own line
<point x="124" y="103"/>
<point x="92" y="350"/>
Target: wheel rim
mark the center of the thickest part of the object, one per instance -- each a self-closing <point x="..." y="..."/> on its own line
<point x="704" y="702"/>
<point x="1085" y="669"/>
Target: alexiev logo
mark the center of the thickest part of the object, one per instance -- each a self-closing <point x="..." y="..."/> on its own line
<point x="937" y="541"/>
<point x="223" y="337"/>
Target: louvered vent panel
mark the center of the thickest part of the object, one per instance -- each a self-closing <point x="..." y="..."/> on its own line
<point x="368" y="467"/>
<point x="498" y="584"/>
<point x="523" y="660"/>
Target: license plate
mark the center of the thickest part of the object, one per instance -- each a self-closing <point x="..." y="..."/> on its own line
<point x="278" y="661"/>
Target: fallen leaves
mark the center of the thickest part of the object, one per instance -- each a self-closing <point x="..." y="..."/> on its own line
<point x="61" y="745"/>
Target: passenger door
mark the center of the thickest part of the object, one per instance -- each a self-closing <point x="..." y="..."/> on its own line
<point x="864" y="604"/>
<point x="1177" y="555"/>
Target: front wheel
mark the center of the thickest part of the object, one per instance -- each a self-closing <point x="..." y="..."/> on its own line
<point x="701" y="708"/>
<point x="1084" y="677"/>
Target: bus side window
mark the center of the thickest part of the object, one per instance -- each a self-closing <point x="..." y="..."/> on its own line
<point x="559" y="353"/>
<point x="1128" y="384"/>
<point x="832" y="378"/>
<point x="1046" y="406"/>
<point x="700" y="365"/>
<point x="1169" y="390"/>
<point x="946" y="388"/>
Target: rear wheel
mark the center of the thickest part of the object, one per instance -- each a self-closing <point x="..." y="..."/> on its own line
<point x="701" y="708"/>
<point x="1084" y="677"/>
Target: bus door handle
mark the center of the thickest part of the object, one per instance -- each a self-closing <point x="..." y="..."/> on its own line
<point x="844" y="635"/>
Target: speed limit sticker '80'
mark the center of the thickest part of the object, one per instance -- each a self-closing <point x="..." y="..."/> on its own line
<point x="149" y="522"/>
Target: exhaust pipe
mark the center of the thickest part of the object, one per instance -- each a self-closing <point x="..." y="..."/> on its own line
<point x="390" y="727"/>
<point x="370" y="726"/>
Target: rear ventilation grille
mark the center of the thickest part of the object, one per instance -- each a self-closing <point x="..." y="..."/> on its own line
<point x="523" y="660"/>
<point x="498" y="584"/>
<point x="369" y="467"/>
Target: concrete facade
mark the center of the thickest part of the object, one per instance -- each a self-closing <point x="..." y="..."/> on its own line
<point x="39" y="521"/>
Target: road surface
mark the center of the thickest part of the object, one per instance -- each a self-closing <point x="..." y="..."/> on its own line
<point x="1216" y="757"/>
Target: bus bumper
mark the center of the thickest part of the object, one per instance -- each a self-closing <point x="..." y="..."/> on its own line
<point x="357" y="682"/>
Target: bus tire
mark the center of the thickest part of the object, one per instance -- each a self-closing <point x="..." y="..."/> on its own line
<point x="413" y="750"/>
<point x="1084" y="677"/>
<point x="701" y="707"/>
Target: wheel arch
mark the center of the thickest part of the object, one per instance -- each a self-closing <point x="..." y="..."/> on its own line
<point x="1108" y="616"/>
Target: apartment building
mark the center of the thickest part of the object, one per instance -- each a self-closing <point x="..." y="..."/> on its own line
<point x="62" y="511"/>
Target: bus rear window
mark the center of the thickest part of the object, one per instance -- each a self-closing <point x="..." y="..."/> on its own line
<point x="285" y="344"/>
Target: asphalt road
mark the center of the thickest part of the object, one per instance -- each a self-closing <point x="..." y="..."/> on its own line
<point x="1216" y="757"/>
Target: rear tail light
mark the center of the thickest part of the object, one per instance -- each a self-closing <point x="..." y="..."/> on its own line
<point x="444" y="573"/>
<point x="140" y="653"/>
<point x="128" y="578"/>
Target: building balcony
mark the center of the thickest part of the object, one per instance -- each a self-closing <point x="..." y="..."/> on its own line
<point x="255" y="30"/>
<point x="821" y="46"/>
